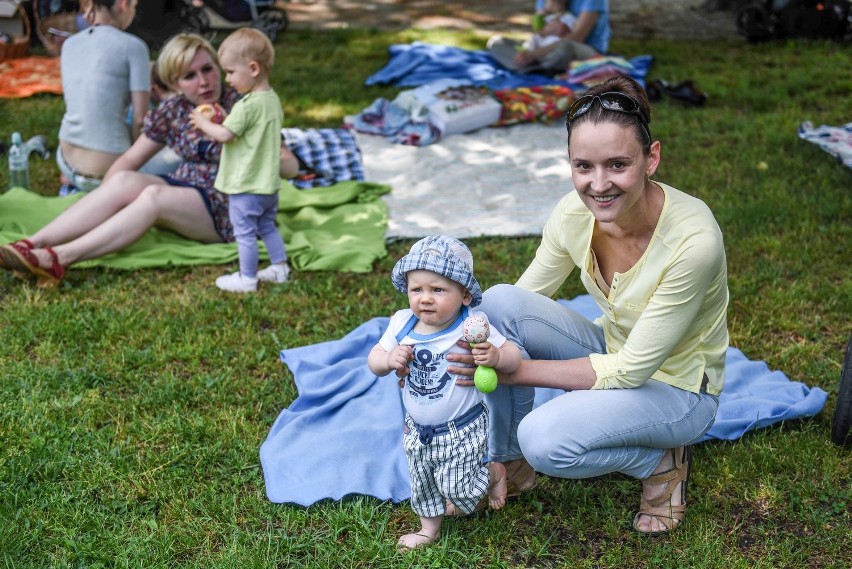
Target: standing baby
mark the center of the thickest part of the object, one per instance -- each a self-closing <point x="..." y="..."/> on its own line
<point x="249" y="168"/>
<point x="446" y="423"/>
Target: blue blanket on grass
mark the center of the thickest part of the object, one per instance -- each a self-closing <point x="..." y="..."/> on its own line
<point x="419" y="63"/>
<point x="343" y="433"/>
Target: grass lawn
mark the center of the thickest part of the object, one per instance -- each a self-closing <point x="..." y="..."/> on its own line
<point x="133" y="404"/>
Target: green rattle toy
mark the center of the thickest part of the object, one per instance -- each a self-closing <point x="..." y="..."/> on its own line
<point x="475" y="331"/>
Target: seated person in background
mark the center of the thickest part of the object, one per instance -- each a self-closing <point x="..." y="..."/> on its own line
<point x="128" y="203"/>
<point x="91" y="137"/>
<point x="556" y="24"/>
<point x="589" y="37"/>
<point x="116" y="74"/>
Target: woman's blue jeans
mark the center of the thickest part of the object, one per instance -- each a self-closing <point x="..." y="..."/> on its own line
<point x="583" y="433"/>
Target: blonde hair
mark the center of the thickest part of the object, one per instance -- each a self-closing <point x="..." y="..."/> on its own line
<point x="156" y="79"/>
<point x="177" y="54"/>
<point x="252" y="45"/>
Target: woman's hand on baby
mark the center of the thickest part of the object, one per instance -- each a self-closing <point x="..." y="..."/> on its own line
<point x="555" y="28"/>
<point x="467" y="366"/>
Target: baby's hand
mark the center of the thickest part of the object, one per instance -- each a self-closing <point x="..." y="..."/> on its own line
<point x="555" y="28"/>
<point x="486" y="354"/>
<point x="197" y="118"/>
<point x="398" y="359"/>
<point x="523" y="58"/>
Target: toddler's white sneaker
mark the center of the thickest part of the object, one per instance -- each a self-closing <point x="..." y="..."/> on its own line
<point x="236" y="282"/>
<point x="278" y="273"/>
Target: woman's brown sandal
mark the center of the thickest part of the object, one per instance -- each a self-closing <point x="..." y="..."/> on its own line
<point x="661" y="507"/>
<point x="520" y="477"/>
<point x="453" y="511"/>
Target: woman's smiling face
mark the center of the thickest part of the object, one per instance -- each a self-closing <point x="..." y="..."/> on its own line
<point x="609" y="168"/>
<point x="201" y="81"/>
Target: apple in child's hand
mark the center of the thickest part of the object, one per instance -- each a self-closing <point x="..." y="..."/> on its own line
<point x="214" y="112"/>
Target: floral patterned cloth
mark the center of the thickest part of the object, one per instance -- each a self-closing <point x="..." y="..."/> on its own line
<point x="544" y="103"/>
<point x="169" y="124"/>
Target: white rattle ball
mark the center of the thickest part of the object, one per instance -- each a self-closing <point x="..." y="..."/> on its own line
<point x="475" y="329"/>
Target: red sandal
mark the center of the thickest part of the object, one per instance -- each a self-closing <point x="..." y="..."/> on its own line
<point x="19" y="257"/>
<point x="23" y="243"/>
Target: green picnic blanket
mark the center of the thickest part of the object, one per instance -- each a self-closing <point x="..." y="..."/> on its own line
<point x="333" y="228"/>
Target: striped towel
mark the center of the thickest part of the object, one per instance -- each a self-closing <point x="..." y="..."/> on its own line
<point x="597" y="69"/>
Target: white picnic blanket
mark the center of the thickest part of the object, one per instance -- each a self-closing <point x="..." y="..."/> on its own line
<point x="495" y="181"/>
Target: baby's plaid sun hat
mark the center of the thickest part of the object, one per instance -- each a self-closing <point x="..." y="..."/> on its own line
<point x="440" y="254"/>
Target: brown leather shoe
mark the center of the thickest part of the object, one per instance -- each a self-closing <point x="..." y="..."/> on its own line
<point x="669" y="515"/>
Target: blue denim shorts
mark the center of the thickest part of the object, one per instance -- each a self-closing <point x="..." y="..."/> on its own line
<point x="84" y="183"/>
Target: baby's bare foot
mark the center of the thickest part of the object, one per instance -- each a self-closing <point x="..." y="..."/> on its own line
<point x="414" y="540"/>
<point x="497" y="485"/>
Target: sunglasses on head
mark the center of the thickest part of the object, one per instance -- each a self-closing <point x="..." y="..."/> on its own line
<point x="611" y="101"/>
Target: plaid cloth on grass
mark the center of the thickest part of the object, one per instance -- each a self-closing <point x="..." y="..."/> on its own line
<point x="326" y="156"/>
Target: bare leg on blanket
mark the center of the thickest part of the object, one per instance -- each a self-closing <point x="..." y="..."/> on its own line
<point x="123" y="208"/>
<point x="118" y="213"/>
<point x="93" y="209"/>
<point x="114" y="216"/>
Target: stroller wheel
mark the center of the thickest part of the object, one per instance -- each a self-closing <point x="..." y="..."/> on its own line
<point x="277" y="19"/>
<point x="271" y="33"/>
<point x="193" y="19"/>
<point x="841" y="428"/>
<point x="196" y="21"/>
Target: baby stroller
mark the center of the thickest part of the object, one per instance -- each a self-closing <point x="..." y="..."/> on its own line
<point x="214" y="16"/>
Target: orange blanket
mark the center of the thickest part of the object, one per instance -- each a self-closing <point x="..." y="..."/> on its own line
<point x="29" y="75"/>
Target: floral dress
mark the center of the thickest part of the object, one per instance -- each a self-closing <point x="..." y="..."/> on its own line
<point x="169" y="124"/>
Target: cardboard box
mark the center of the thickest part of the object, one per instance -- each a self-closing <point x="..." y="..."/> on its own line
<point x="464" y="109"/>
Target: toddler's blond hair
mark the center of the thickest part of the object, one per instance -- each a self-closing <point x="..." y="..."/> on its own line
<point x="251" y="45"/>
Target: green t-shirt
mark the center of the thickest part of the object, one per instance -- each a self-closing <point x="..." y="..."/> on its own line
<point x="250" y="163"/>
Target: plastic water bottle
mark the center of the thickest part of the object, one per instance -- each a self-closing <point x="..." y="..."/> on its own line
<point x="19" y="166"/>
